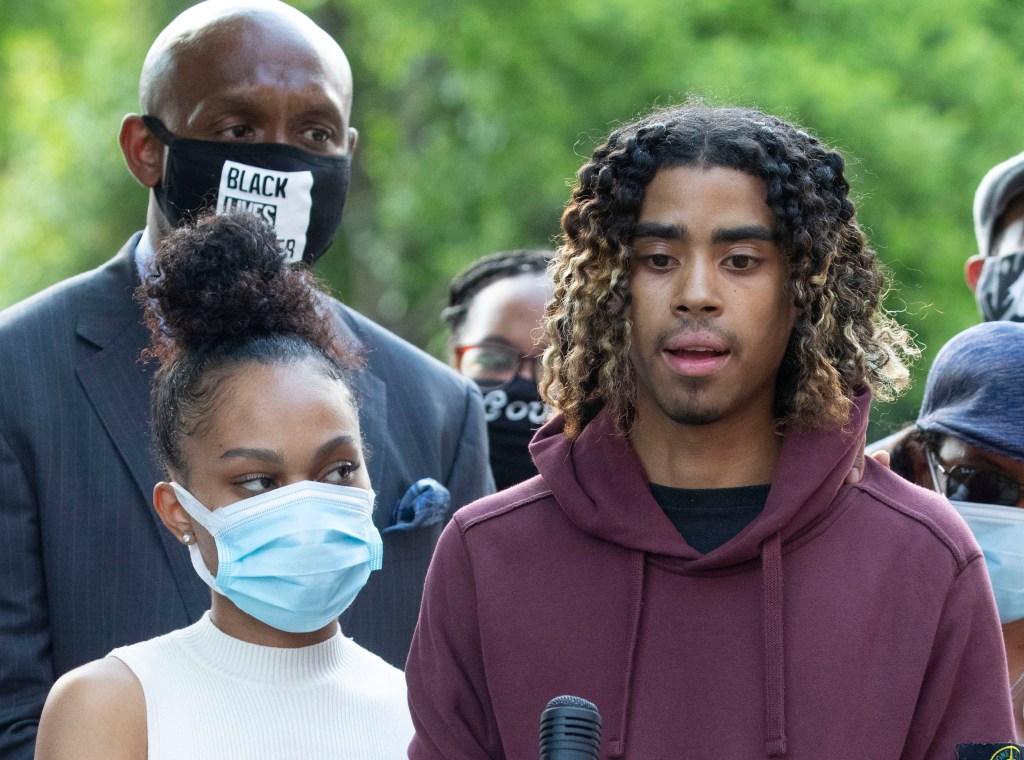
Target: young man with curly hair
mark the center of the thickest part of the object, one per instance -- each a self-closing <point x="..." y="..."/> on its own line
<point x="691" y="557"/>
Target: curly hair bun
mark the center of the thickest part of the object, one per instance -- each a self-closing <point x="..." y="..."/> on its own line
<point x="224" y="280"/>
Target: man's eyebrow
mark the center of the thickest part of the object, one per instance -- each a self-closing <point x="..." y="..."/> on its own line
<point x="265" y="455"/>
<point x="743" y="232"/>
<point x="499" y="340"/>
<point x="246" y="104"/>
<point x="660" y="230"/>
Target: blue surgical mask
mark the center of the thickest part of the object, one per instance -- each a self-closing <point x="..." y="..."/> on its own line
<point x="1000" y="532"/>
<point x="294" y="557"/>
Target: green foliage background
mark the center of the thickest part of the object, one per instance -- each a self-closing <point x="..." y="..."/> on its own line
<point x="474" y="117"/>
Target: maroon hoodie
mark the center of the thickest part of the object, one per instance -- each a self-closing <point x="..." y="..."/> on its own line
<point x="844" y="621"/>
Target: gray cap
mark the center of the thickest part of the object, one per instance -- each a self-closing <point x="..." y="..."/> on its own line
<point x="998" y="188"/>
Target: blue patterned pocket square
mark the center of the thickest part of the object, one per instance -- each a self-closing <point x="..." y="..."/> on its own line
<point x="426" y="503"/>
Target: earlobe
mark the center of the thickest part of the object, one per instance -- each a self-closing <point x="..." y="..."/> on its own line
<point x="972" y="270"/>
<point x="142" y="151"/>
<point x="171" y="513"/>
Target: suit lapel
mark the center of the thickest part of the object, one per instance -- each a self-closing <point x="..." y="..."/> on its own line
<point x="117" y="384"/>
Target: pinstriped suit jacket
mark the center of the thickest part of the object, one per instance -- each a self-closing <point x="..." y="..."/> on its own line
<point x="85" y="565"/>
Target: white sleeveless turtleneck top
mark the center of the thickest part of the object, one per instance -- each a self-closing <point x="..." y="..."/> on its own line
<point x="209" y="695"/>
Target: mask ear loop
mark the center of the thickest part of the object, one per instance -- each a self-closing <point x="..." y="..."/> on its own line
<point x="162" y="133"/>
<point x="195" y="510"/>
<point x="933" y="468"/>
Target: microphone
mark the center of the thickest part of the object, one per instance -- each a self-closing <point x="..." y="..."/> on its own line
<point x="570" y="729"/>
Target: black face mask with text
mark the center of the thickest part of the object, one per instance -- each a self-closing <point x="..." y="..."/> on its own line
<point x="513" y="412"/>
<point x="1000" y="289"/>
<point x="301" y="194"/>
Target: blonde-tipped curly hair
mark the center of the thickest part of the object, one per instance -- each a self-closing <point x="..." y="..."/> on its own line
<point x="842" y="339"/>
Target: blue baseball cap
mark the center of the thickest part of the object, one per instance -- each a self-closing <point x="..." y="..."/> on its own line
<point x="975" y="389"/>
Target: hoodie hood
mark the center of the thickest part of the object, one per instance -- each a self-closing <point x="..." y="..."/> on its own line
<point x="810" y="471"/>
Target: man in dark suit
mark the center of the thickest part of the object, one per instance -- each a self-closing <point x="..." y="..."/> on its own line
<point x="257" y="89"/>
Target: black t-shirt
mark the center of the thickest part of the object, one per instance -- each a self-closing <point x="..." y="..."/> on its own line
<point x="707" y="518"/>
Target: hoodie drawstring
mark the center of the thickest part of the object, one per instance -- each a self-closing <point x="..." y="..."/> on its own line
<point x="774" y="646"/>
<point x="636" y="601"/>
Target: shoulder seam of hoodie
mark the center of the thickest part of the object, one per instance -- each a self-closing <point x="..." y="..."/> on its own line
<point x="960" y="557"/>
<point x="465" y="522"/>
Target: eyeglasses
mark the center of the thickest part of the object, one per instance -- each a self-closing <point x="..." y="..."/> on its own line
<point x="494" y="363"/>
<point x="966" y="482"/>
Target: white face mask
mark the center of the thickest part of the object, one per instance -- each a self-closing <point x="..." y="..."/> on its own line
<point x="1000" y="532"/>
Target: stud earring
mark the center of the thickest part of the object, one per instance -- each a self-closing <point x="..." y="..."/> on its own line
<point x="186" y="538"/>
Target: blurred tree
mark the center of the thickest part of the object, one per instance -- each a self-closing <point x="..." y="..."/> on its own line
<point x="474" y="117"/>
<point x="68" y="73"/>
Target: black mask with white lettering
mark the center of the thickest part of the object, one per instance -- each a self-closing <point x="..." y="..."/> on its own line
<point x="1000" y="290"/>
<point x="513" y="412"/>
<point x="301" y="194"/>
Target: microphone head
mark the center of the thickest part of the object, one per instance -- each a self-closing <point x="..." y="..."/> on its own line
<point x="570" y="729"/>
<point x="567" y="700"/>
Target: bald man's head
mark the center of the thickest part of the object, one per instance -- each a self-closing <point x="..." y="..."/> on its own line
<point x="250" y="76"/>
<point x="225" y="37"/>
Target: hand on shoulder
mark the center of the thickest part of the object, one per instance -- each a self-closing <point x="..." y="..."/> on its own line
<point x="95" y="711"/>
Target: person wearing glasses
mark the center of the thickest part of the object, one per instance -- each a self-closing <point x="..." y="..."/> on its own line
<point x="968" y="444"/>
<point x="495" y="307"/>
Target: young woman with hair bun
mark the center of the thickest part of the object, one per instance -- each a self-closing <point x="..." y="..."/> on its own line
<point x="259" y="435"/>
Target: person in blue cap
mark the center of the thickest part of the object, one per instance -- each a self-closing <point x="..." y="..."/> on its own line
<point x="968" y="444"/>
<point x="995" y="274"/>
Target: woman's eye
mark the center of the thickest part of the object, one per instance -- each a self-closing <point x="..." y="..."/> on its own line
<point x="340" y="473"/>
<point x="258" y="483"/>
